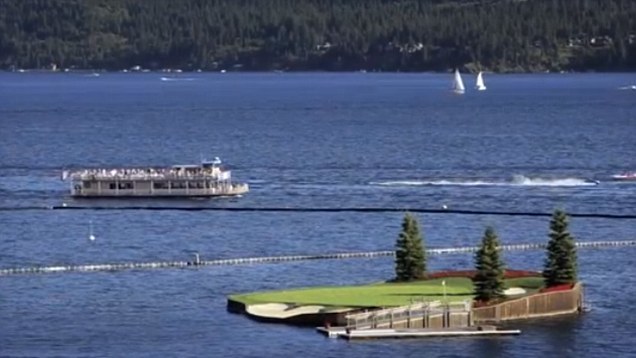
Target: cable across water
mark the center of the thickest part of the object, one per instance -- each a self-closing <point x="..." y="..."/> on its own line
<point x="321" y="210"/>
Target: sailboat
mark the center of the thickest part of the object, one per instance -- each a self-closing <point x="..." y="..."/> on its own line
<point x="479" y="85"/>
<point x="458" y="84"/>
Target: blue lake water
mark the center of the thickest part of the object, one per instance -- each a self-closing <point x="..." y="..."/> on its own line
<point x="528" y="143"/>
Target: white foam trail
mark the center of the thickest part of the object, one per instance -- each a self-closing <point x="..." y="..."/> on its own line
<point x="401" y="183"/>
<point x="436" y="182"/>
<point x="632" y="87"/>
<point x="522" y="180"/>
<point x="177" y="79"/>
<point x="518" y="180"/>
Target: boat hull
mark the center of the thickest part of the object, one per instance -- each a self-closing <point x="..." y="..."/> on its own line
<point x="128" y="196"/>
<point x="233" y="190"/>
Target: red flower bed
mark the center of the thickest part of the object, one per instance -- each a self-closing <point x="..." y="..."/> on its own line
<point x="556" y="288"/>
<point x="459" y="273"/>
<point x="521" y="273"/>
<point x="471" y="274"/>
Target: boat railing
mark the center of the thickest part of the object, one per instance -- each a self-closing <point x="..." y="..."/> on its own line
<point x="141" y="174"/>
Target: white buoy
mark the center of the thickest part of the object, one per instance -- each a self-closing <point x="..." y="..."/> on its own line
<point x="91" y="237"/>
<point x="444" y="207"/>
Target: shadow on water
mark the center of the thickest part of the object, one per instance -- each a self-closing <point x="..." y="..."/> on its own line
<point x="558" y="334"/>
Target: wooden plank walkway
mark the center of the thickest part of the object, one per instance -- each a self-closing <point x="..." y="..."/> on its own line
<point x="340" y="332"/>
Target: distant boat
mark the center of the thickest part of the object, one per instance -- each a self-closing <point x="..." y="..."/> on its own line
<point x="458" y="84"/>
<point x="479" y="85"/>
<point x="627" y="176"/>
<point x="208" y="179"/>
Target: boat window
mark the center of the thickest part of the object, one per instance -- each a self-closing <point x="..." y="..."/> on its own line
<point x="125" y="185"/>
<point x="177" y="185"/>
<point x="87" y="185"/>
<point x="112" y="186"/>
<point x="160" y="185"/>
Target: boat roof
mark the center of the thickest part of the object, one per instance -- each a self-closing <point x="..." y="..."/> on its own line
<point x="187" y="166"/>
<point x="204" y="165"/>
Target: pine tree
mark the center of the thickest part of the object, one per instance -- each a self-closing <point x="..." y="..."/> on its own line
<point x="410" y="261"/>
<point x="265" y="35"/>
<point x="560" y="264"/>
<point x="489" y="280"/>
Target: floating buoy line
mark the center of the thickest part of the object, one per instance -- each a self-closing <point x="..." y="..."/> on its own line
<point x="198" y="262"/>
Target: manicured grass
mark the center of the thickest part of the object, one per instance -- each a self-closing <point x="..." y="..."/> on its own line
<point x="529" y="283"/>
<point x="379" y="294"/>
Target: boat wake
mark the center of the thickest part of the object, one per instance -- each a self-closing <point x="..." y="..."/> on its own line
<point x="625" y="88"/>
<point x="517" y="180"/>
<point x="173" y="79"/>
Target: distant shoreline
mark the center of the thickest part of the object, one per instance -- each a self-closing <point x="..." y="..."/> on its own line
<point x="180" y="72"/>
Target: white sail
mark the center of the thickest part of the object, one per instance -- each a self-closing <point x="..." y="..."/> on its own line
<point x="479" y="85"/>
<point x="458" y="84"/>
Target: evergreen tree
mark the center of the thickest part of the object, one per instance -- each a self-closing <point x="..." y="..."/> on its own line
<point x="381" y="35"/>
<point x="560" y="264"/>
<point x="410" y="260"/>
<point x="489" y="280"/>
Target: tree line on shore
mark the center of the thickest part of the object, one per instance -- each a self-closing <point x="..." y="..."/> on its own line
<point x="332" y="35"/>
<point x="560" y="266"/>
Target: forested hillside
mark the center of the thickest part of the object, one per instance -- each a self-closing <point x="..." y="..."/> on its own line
<point x="337" y="35"/>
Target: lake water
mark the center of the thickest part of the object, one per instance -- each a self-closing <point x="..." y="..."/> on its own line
<point x="528" y="143"/>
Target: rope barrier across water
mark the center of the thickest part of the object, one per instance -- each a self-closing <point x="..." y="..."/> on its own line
<point x="277" y="259"/>
<point x="317" y="210"/>
<point x="348" y="209"/>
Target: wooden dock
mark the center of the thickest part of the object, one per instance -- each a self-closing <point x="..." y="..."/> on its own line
<point x="477" y="331"/>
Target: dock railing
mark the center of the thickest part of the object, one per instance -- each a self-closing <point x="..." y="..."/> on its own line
<point x="535" y="305"/>
<point x="433" y="314"/>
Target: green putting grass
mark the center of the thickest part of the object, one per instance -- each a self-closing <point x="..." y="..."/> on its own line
<point x="379" y="294"/>
<point x="530" y="284"/>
